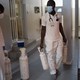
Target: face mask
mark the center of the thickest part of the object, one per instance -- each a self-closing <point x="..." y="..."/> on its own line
<point x="1" y="16"/>
<point x="49" y="9"/>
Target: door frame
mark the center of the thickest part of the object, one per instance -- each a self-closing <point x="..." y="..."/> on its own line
<point x="76" y="18"/>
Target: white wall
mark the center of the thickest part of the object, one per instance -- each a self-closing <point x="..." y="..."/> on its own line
<point x="32" y="27"/>
<point x="73" y="18"/>
<point x="44" y="3"/>
<point x="5" y="25"/>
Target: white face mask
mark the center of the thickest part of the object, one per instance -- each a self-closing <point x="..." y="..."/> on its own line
<point x="49" y="9"/>
<point x="1" y="15"/>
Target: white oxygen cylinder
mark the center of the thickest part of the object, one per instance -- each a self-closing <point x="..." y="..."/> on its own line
<point x="65" y="48"/>
<point x="43" y="59"/>
<point x="8" y="72"/>
<point x="24" y="67"/>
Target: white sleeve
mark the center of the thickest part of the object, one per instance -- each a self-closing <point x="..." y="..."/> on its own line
<point x="43" y="21"/>
<point x="60" y="17"/>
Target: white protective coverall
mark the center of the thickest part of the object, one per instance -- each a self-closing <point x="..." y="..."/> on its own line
<point x="2" y="57"/>
<point x="53" y="40"/>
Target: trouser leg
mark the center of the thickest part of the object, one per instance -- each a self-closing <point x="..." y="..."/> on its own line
<point x="51" y="55"/>
<point x="52" y="61"/>
<point x="59" y="54"/>
<point x="54" y="54"/>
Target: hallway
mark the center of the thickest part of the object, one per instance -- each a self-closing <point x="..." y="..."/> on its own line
<point x="22" y="22"/>
<point x="66" y="72"/>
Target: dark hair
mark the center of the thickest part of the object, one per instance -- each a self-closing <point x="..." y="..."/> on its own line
<point x="1" y="9"/>
<point x="51" y="3"/>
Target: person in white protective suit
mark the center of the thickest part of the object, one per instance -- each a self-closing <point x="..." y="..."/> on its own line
<point x="53" y="33"/>
<point x="2" y="57"/>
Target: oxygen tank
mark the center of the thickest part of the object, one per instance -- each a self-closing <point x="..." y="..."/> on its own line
<point x="43" y="59"/>
<point x="24" y="68"/>
<point x="8" y="72"/>
<point x="65" y="53"/>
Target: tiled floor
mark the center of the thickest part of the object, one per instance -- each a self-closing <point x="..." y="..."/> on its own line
<point x="37" y="73"/>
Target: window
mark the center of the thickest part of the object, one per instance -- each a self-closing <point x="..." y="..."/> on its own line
<point x="59" y="3"/>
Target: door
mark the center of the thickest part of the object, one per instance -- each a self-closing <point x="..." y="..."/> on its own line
<point x="16" y="19"/>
